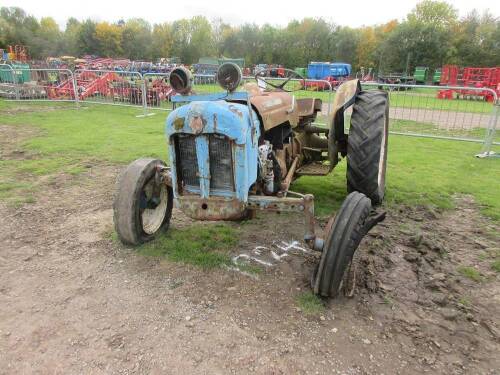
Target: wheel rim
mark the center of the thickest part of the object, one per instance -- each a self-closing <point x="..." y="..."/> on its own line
<point x="152" y="218"/>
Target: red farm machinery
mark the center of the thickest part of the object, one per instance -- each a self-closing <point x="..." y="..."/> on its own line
<point x="111" y="86"/>
<point x="475" y="78"/>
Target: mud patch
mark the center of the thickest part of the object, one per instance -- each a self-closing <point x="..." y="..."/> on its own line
<point x="411" y="283"/>
<point x="12" y="138"/>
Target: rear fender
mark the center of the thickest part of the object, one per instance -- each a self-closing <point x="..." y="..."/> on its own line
<point x="337" y="139"/>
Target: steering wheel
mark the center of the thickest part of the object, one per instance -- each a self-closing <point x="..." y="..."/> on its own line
<point x="264" y="75"/>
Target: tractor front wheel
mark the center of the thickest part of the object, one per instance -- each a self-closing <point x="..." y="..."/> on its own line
<point x="342" y="239"/>
<point x="367" y="145"/>
<point x="142" y="206"/>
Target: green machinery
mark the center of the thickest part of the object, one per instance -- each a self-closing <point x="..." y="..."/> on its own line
<point x="436" y="78"/>
<point x="421" y="74"/>
<point x="301" y="71"/>
<point x="19" y="73"/>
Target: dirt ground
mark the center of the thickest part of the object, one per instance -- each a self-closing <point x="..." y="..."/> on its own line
<point x="73" y="301"/>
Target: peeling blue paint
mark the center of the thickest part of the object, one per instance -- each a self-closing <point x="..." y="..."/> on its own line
<point x="222" y="117"/>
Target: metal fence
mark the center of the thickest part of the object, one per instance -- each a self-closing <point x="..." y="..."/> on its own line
<point x="110" y="87"/>
<point x="37" y="84"/>
<point x="446" y="112"/>
<point x="157" y="91"/>
<point x="8" y="88"/>
<point x="458" y="113"/>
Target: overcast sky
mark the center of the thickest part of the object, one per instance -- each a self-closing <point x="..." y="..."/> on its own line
<point x="348" y="13"/>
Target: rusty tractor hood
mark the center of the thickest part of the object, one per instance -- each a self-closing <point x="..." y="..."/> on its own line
<point x="275" y="108"/>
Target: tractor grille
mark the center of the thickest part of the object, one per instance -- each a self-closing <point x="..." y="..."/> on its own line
<point x="221" y="162"/>
<point x="220" y="156"/>
<point x="187" y="163"/>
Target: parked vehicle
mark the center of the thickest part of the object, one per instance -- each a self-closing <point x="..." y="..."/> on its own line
<point x="237" y="152"/>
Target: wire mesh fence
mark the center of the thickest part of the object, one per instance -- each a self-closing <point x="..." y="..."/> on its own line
<point x="110" y="87"/>
<point x="37" y="84"/>
<point x="8" y="88"/>
<point x="450" y="112"/>
<point x="421" y="110"/>
<point x="158" y="91"/>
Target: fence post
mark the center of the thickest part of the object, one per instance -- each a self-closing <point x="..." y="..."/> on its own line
<point x="14" y="82"/>
<point x="75" y="90"/>
<point x="490" y="132"/>
<point x="144" y="99"/>
<point x="329" y="99"/>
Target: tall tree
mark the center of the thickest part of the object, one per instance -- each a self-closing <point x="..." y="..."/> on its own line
<point x="87" y="41"/>
<point x="70" y="38"/>
<point x="136" y="39"/>
<point x="109" y="39"/>
<point x="161" y="40"/>
<point x="49" y="37"/>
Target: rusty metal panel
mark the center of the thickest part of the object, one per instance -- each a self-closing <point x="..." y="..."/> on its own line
<point x="275" y="108"/>
<point x="213" y="208"/>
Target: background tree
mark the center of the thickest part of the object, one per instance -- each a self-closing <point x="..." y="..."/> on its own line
<point x="70" y="37"/>
<point x="425" y="38"/>
<point x="49" y="38"/>
<point x="161" y="40"/>
<point x="137" y="39"/>
<point x="86" y="41"/>
<point x="201" y="40"/>
<point x="109" y="39"/>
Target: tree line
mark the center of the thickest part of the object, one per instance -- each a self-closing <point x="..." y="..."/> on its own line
<point x="432" y="34"/>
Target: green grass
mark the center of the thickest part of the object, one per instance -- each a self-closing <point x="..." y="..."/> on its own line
<point x="310" y="303"/>
<point x="464" y="301"/>
<point x="409" y="126"/>
<point x="206" y="246"/>
<point x="495" y="266"/>
<point x="425" y="172"/>
<point x="470" y="272"/>
<point x="109" y="133"/>
<point x="420" y="171"/>
<point x="409" y="99"/>
<point x="69" y="139"/>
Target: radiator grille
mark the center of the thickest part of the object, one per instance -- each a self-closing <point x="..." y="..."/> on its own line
<point x="221" y="162"/>
<point x="186" y="161"/>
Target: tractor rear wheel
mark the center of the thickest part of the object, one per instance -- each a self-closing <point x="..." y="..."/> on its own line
<point x="142" y="206"/>
<point x="367" y="145"/>
<point x="341" y="241"/>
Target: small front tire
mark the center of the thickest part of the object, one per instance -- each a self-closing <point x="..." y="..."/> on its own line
<point x="138" y="213"/>
<point x="342" y="240"/>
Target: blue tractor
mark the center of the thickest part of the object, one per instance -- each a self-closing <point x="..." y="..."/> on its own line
<point x="234" y="153"/>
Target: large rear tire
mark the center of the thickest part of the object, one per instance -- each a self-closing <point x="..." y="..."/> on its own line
<point x="138" y="213"/>
<point x="367" y="145"/>
<point x="342" y="240"/>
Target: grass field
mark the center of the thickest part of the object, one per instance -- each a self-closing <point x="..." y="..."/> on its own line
<point x="420" y="171"/>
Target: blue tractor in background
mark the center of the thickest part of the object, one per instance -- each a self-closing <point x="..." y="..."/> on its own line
<point x="234" y="153"/>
